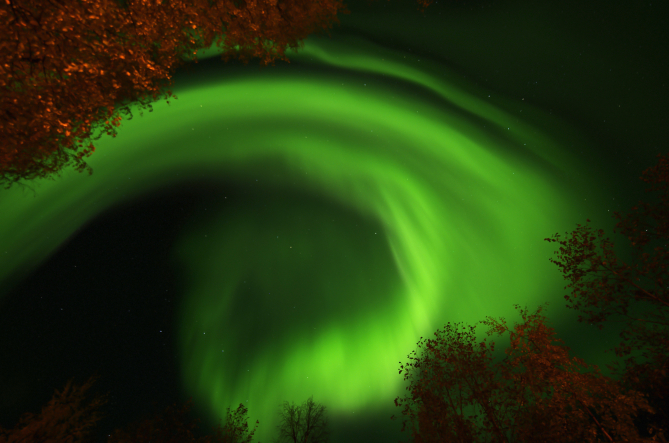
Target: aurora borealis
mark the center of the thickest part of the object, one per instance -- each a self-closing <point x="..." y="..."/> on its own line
<point x="360" y="197"/>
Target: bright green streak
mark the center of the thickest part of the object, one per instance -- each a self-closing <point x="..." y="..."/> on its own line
<point x="451" y="196"/>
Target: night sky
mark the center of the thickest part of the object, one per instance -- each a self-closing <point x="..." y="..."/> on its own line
<point x="282" y="232"/>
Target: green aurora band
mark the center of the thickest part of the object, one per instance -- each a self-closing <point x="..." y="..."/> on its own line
<point x="386" y="196"/>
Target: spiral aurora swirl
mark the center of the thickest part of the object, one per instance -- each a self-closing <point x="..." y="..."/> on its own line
<point x="383" y="197"/>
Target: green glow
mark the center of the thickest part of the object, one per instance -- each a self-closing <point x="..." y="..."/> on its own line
<point x="391" y="197"/>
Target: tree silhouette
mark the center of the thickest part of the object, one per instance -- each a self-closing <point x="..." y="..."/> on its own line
<point x="65" y="419"/>
<point x="65" y="64"/>
<point x="172" y="427"/>
<point x="537" y="393"/>
<point x="303" y="424"/>
<point x="236" y="429"/>
<point x="602" y="287"/>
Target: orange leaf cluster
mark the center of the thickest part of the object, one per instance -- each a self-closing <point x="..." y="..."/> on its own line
<point x="65" y="63"/>
<point x="602" y="287"/>
<point x="65" y="419"/>
<point x="537" y="393"/>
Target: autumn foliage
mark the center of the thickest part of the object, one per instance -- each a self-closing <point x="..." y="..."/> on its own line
<point x="64" y="64"/>
<point x="67" y="418"/>
<point x="536" y="394"/>
<point x="172" y="426"/>
<point x="603" y="287"/>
